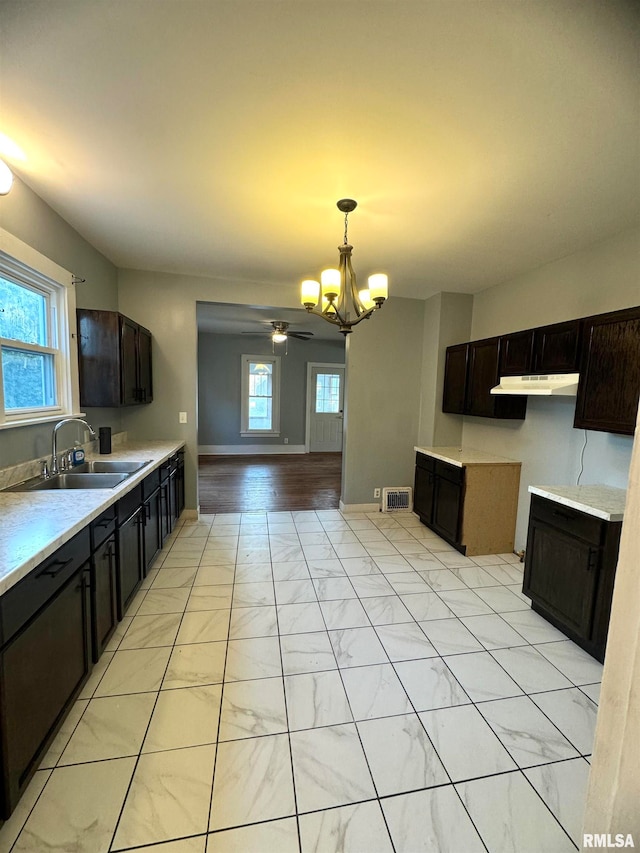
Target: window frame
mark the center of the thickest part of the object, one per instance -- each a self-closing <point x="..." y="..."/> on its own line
<point x="246" y="361"/>
<point x="26" y="267"/>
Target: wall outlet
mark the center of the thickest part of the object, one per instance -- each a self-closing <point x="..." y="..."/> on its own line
<point x="182" y="417"/>
<point x="376" y="493"/>
<point x="286" y="441"/>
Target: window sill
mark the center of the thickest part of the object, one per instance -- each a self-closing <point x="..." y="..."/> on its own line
<point x="257" y="432"/>
<point x="42" y="419"/>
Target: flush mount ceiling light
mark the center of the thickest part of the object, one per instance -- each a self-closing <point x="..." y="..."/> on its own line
<point x="337" y="293"/>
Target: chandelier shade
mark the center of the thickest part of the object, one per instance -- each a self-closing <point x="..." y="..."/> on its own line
<point x="336" y="297"/>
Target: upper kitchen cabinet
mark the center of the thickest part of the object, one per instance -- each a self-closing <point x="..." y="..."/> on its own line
<point x="556" y="348"/>
<point x="516" y="353"/>
<point x="471" y="371"/>
<point x="114" y="360"/>
<point x="609" y="385"/>
<point x="455" y="379"/>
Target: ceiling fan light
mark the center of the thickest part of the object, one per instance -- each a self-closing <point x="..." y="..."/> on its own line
<point x="310" y="293"/>
<point x="278" y="337"/>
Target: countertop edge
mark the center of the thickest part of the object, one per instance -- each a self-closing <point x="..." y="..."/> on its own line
<point x="548" y="493"/>
<point x="467" y="462"/>
<point x="47" y="503"/>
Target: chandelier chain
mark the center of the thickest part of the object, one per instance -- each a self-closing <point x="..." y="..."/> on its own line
<point x="346" y="225"/>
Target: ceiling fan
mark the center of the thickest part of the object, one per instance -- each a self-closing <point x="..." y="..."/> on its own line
<point x="280" y="331"/>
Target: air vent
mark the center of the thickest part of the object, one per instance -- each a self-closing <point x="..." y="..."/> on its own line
<point x="398" y="499"/>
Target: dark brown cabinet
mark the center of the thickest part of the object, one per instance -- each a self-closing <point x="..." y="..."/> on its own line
<point x="129" y="531"/>
<point x="44" y="660"/>
<point x="455" y="379"/>
<point x="569" y="571"/>
<point x="516" y="353"/>
<point x="556" y="348"/>
<point x="104" y="596"/>
<point x="468" y="391"/>
<point x="438" y="496"/>
<point x="114" y="359"/>
<point x="609" y="385"/>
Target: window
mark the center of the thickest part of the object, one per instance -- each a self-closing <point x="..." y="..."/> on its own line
<point x="260" y="395"/>
<point x="38" y="364"/>
<point x="327" y="393"/>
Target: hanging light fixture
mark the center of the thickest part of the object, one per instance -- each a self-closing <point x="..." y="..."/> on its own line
<point x="337" y="293"/>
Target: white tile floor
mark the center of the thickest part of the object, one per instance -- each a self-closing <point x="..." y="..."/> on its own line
<point x="309" y="681"/>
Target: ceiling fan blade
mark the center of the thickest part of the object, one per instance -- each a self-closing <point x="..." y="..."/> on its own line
<point x="301" y="336"/>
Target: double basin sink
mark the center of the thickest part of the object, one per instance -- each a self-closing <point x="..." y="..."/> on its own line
<point x="95" y="474"/>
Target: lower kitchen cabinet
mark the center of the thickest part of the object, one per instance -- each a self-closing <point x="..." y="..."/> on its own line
<point x="471" y="506"/>
<point x="130" y="541"/>
<point x="569" y="572"/>
<point x="104" y="581"/>
<point x="44" y="660"/>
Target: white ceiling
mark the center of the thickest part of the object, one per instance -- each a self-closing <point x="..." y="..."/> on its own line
<point x="481" y="138"/>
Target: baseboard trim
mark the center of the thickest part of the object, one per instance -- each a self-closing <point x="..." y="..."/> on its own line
<point x="249" y="449"/>
<point x="359" y="507"/>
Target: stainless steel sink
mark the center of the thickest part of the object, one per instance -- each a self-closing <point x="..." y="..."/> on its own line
<point x="109" y="466"/>
<point x="77" y="481"/>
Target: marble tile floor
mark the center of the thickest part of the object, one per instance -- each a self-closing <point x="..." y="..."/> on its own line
<point x="312" y="681"/>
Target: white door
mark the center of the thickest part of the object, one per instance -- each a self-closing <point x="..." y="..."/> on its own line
<point x="326" y="403"/>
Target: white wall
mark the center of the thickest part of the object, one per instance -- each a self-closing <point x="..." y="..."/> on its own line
<point x="602" y="278"/>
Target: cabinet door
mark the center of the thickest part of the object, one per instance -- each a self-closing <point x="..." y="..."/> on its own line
<point x="609" y="385"/>
<point x="130" y="392"/>
<point x="152" y="542"/>
<point x="104" y="598"/>
<point x="145" y="384"/>
<point x="455" y="379"/>
<point x="180" y="493"/>
<point x="560" y="576"/>
<point x="98" y="357"/>
<point x="41" y="671"/>
<point x="130" y="555"/>
<point x="516" y="353"/>
<point x="447" y="509"/>
<point x="423" y="494"/>
<point x="556" y="348"/>
<point x="483" y="375"/>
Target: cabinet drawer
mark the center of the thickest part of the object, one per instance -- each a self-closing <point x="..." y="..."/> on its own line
<point x="426" y="462"/>
<point x="150" y="484"/>
<point x="21" y="602"/>
<point x="129" y="504"/>
<point x="569" y="520"/>
<point x="102" y="527"/>
<point x="452" y="473"/>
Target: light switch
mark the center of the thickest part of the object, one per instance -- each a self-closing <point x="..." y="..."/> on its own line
<point x="183" y="417"/>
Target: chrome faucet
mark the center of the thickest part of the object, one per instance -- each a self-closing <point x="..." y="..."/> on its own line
<point x="54" y="439"/>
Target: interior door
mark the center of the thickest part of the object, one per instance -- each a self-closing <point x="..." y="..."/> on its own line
<point x="326" y="408"/>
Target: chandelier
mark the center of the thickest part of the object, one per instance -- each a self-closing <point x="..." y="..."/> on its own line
<point x="337" y="293"/>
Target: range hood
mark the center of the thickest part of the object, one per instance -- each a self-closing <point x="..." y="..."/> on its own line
<point x="542" y="385"/>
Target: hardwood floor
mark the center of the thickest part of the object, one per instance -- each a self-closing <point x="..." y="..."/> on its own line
<point x="269" y="483"/>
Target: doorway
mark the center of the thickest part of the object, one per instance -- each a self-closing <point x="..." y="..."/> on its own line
<point x="325" y="407"/>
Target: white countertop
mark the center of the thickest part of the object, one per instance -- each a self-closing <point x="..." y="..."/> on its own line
<point x="604" y="502"/>
<point x="462" y="456"/>
<point x="34" y="524"/>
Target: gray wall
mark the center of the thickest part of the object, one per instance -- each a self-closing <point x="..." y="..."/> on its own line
<point x="219" y="393"/>
<point x="28" y="218"/>
<point x="382" y="409"/>
<point x="603" y="277"/>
